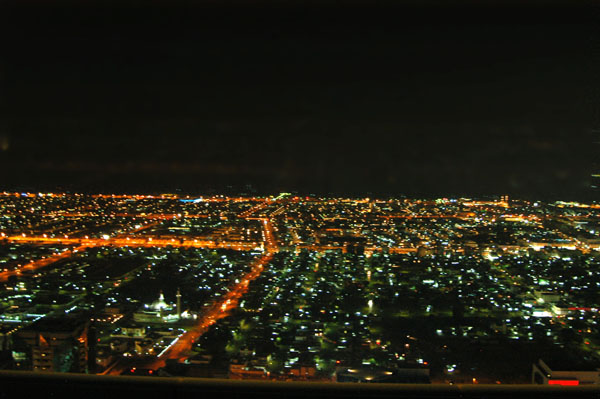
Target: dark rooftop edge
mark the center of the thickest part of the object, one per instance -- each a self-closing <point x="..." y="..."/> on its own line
<point x="22" y="382"/>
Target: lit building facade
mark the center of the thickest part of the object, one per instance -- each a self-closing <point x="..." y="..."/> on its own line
<point x="57" y="345"/>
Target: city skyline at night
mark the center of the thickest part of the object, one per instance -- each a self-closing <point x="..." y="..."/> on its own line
<point x="301" y="288"/>
<point x="295" y="197"/>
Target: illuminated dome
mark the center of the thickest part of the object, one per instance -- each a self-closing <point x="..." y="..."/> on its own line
<point x="160" y="303"/>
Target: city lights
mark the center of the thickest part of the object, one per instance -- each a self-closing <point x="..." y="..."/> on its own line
<point x="249" y="279"/>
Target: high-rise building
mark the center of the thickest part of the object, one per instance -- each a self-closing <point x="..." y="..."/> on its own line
<point x="57" y="344"/>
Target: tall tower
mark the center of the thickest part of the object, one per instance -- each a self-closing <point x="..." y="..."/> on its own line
<point x="161" y="304"/>
<point x="178" y="303"/>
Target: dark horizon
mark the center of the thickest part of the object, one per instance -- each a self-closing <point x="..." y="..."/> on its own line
<point x="407" y="100"/>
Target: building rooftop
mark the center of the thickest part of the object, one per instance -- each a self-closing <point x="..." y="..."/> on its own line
<point x="56" y="324"/>
<point x="563" y="362"/>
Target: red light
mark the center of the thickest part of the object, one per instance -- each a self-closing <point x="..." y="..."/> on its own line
<point x="563" y="382"/>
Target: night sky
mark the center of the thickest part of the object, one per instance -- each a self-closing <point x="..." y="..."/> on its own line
<point x="349" y="100"/>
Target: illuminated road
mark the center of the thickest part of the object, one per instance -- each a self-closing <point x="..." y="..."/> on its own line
<point x="142" y="227"/>
<point x="323" y="248"/>
<point x="248" y="212"/>
<point x="39" y="263"/>
<point x="192" y="243"/>
<point x="123" y="240"/>
<point x="211" y="314"/>
<point x="217" y="311"/>
<point x="42" y="262"/>
<point x="269" y="236"/>
<point x="418" y="216"/>
<point x="220" y="308"/>
<point x="158" y="216"/>
<point x="149" y="242"/>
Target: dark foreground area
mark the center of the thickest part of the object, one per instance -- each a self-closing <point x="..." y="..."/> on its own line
<point x="24" y="384"/>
